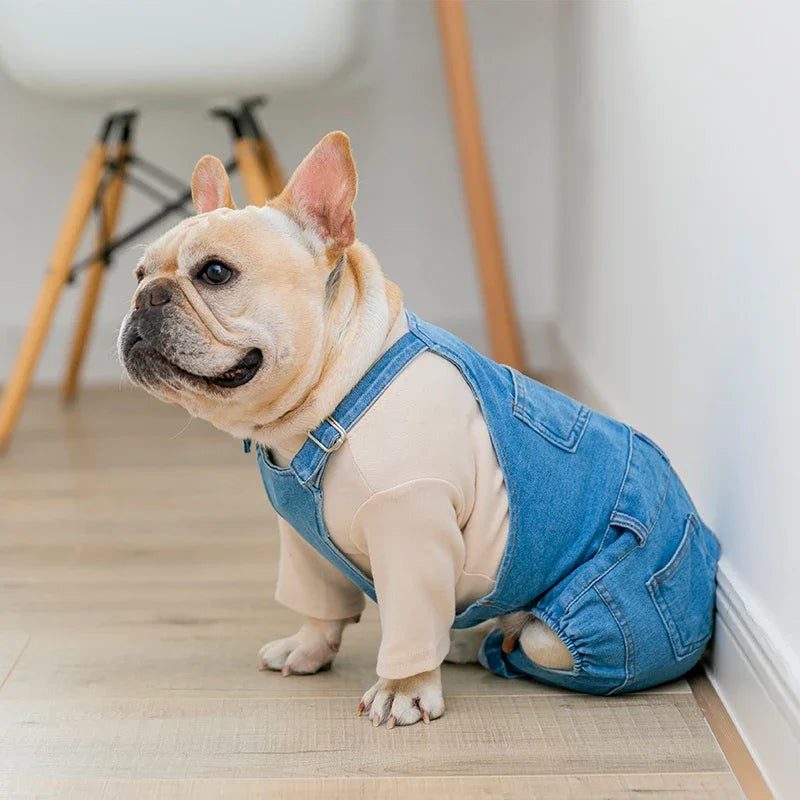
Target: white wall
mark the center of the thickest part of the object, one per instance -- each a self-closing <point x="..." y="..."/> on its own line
<point x="410" y="207"/>
<point x="679" y="273"/>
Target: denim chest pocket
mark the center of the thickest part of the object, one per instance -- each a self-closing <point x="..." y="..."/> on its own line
<point x="558" y="418"/>
<point x="683" y="591"/>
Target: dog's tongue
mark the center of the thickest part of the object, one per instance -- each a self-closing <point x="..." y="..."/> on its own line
<point x="232" y="374"/>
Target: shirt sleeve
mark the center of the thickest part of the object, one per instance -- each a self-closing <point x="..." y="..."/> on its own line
<point x="416" y="552"/>
<point x="311" y="585"/>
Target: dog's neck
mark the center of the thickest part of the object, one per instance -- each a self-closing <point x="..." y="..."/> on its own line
<point x="362" y="309"/>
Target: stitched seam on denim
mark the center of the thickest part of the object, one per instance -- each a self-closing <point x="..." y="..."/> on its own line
<point x="631" y="436"/>
<point x="663" y="500"/>
<point x="662" y="605"/>
<point x="557" y="627"/>
<point x="627" y="636"/>
<point x="680" y="555"/>
<point x="627" y="472"/>
<point x="520" y="394"/>
<point x="702" y="544"/>
<point x="262" y="456"/>
<point x="630" y="523"/>
<point x="603" y="541"/>
<point x="684" y="650"/>
<point x="554" y="437"/>
<point x="596" y="579"/>
<point x="519" y="409"/>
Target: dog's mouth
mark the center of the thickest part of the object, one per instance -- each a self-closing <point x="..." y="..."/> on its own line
<point x="238" y="375"/>
<point x="241" y="373"/>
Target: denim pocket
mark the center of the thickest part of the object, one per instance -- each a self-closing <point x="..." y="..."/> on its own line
<point x="683" y="591"/>
<point x="558" y="418"/>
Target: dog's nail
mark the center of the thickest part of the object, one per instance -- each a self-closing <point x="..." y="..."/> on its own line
<point x="392" y="722"/>
<point x="375" y="722"/>
<point x="426" y="717"/>
<point x="286" y="671"/>
<point x="361" y="709"/>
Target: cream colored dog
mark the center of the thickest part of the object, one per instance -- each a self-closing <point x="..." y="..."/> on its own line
<point x="260" y="321"/>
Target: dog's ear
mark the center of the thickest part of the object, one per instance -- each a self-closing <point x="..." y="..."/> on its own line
<point x="321" y="192"/>
<point x="211" y="188"/>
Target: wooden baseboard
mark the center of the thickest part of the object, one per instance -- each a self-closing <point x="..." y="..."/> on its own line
<point x="742" y="763"/>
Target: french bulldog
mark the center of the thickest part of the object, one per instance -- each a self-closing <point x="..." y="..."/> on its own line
<point x="262" y="320"/>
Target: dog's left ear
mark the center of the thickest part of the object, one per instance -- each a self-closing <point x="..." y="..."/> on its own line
<point x="321" y="192"/>
<point x="211" y="188"/>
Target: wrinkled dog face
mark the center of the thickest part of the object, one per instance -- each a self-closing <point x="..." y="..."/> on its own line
<point x="228" y="316"/>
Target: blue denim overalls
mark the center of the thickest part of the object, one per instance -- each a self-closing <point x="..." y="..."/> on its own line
<point x="604" y="543"/>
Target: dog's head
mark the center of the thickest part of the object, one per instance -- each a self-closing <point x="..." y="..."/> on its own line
<point x="228" y="316"/>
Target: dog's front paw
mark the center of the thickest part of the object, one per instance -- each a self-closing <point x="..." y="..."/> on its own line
<point x="310" y="650"/>
<point x="404" y="701"/>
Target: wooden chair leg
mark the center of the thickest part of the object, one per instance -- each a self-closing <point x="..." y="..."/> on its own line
<point x="78" y="209"/>
<point x="96" y="272"/>
<point x="500" y="317"/>
<point x="271" y="166"/>
<point x="247" y="161"/>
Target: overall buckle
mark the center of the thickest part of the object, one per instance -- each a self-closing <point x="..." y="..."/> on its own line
<point x="337" y="442"/>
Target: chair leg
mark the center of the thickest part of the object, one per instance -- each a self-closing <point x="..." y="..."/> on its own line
<point x="500" y="317"/>
<point x="247" y="121"/>
<point x="96" y="272"/>
<point x="271" y="167"/>
<point x="78" y="209"/>
<point x="255" y="185"/>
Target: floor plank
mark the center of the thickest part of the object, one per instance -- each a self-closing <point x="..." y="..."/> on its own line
<point x="692" y="786"/>
<point x="71" y="606"/>
<point x="87" y="552"/>
<point x="297" y="738"/>
<point x="157" y="496"/>
<point x="190" y="661"/>
<point x="12" y="645"/>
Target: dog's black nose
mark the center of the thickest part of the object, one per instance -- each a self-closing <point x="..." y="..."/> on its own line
<point x="156" y="293"/>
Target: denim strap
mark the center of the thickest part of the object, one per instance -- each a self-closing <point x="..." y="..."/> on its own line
<point x="329" y="435"/>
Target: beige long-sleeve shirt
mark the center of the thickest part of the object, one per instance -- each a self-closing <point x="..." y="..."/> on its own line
<point x="416" y="499"/>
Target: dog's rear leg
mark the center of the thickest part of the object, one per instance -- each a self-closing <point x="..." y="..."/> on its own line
<point x="466" y="642"/>
<point x="542" y="646"/>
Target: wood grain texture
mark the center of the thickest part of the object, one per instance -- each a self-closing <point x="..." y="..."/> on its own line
<point x="294" y="738"/>
<point x="179" y="660"/>
<point x="692" y="786"/>
<point x="12" y="644"/>
<point x="133" y="602"/>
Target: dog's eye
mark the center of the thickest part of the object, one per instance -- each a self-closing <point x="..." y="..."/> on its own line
<point x="139" y="275"/>
<point x="215" y="273"/>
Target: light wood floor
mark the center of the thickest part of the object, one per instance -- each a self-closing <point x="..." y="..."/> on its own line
<point x="137" y="561"/>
